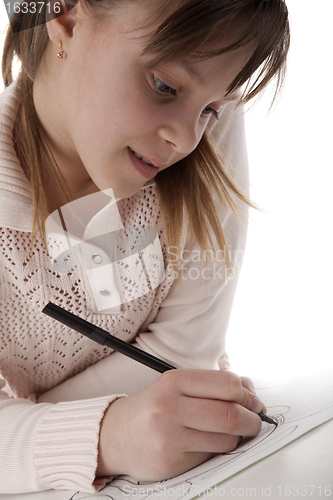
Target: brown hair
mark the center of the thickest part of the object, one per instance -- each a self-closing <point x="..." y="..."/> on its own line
<point x="187" y="34"/>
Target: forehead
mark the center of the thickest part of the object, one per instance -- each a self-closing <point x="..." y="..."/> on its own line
<point x="136" y="23"/>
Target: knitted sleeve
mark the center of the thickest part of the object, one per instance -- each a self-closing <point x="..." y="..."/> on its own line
<point x="50" y="446"/>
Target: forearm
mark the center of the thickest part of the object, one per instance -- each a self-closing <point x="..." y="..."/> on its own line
<point x="113" y="375"/>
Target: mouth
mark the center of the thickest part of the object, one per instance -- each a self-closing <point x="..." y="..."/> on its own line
<point x="144" y="166"/>
<point x="142" y="158"/>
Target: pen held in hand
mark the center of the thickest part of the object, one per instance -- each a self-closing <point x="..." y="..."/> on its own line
<point x="103" y="337"/>
<point x="267" y="419"/>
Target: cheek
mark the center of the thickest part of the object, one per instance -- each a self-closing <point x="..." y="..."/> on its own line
<point x="127" y="115"/>
<point x="106" y="110"/>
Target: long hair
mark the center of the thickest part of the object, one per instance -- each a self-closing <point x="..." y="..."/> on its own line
<point x="188" y="34"/>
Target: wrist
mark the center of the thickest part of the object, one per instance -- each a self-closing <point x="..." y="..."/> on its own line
<point x="110" y="444"/>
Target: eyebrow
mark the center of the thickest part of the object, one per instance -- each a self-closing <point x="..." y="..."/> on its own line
<point x="196" y="76"/>
<point x="193" y="72"/>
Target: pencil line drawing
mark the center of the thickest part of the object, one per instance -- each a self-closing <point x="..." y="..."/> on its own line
<point x="296" y="407"/>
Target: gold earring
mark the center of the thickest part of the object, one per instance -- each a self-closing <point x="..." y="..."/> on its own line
<point x="61" y="52"/>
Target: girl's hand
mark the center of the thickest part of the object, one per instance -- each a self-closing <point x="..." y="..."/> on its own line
<point x="176" y="423"/>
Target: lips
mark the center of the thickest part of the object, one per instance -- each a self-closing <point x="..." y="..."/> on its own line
<point x="142" y="157"/>
<point x="148" y="171"/>
<point x="146" y="159"/>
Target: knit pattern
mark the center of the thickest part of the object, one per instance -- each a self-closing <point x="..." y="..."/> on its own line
<point x="38" y="353"/>
<point x="76" y="423"/>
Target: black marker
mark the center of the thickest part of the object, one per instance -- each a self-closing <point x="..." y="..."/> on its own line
<point x="269" y="420"/>
<point x="105" y="338"/>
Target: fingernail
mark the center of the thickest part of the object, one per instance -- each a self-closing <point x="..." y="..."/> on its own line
<point x="256" y="405"/>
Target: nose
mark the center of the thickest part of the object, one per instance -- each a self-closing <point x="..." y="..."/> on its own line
<point x="182" y="132"/>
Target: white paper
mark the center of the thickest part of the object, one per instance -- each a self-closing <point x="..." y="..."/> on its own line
<point x="298" y="406"/>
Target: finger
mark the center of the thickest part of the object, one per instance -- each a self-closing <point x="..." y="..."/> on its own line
<point x="248" y="384"/>
<point x="213" y="384"/>
<point x="211" y="442"/>
<point x="209" y="415"/>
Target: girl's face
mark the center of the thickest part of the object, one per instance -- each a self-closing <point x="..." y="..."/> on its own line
<point x="105" y="104"/>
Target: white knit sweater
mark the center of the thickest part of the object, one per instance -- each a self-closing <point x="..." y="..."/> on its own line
<point x="56" y="384"/>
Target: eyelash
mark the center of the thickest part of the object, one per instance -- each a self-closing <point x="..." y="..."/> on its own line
<point x="157" y="83"/>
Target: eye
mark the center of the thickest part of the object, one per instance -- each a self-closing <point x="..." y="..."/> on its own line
<point x="210" y="111"/>
<point x="162" y="88"/>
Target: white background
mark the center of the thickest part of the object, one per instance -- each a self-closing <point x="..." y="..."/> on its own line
<point x="281" y="325"/>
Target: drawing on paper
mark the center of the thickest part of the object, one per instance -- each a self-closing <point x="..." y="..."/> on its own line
<point x="297" y="408"/>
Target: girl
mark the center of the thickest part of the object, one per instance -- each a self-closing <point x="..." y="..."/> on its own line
<point x="127" y="96"/>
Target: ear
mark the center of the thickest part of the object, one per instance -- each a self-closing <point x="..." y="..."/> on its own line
<point x="60" y="22"/>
